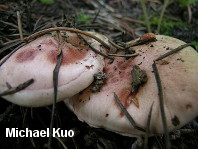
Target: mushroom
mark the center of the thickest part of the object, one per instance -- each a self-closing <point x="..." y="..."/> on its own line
<point x="37" y="60"/>
<point x="178" y="73"/>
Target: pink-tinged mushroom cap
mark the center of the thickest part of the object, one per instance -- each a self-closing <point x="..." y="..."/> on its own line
<point x="179" y="80"/>
<point x="37" y="60"/>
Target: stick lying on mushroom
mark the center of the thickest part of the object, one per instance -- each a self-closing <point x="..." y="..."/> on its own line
<point x="178" y="73"/>
<point x="37" y="60"/>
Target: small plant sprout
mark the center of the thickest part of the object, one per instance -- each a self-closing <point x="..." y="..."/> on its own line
<point x="178" y="71"/>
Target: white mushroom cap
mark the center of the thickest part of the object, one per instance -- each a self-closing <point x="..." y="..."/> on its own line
<point x="37" y="60"/>
<point x="178" y="74"/>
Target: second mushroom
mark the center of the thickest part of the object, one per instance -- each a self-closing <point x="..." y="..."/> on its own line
<point x="178" y="73"/>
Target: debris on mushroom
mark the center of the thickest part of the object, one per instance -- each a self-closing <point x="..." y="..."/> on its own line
<point x="99" y="79"/>
<point x="148" y="37"/>
<point x="139" y="77"/>
<point x="37" y="61"/>
<point x="179" y="82"/>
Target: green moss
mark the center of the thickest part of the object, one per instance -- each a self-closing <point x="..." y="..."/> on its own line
<point x="196" y="45"/>
<point x="184" y="3"/>
<point x="83" y="17"/>
<point x="166" y="25"/>
<point x="47" y="1"/>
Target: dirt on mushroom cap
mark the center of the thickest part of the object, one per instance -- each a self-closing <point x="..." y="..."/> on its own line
<point x="37" y="60"/>
<point x="178" y="74"/>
